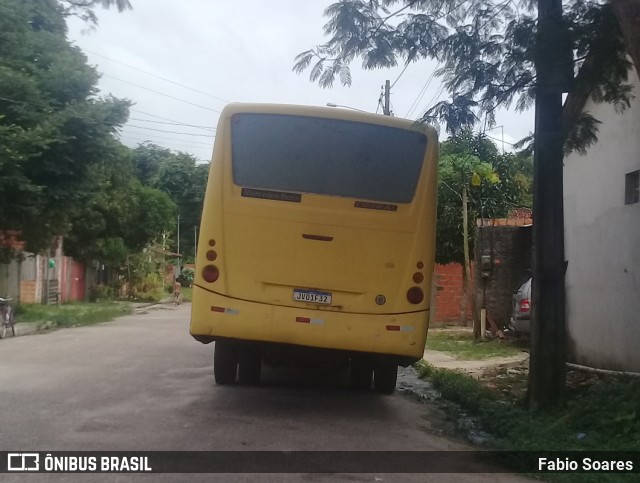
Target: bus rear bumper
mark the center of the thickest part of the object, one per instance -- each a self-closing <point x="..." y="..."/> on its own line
<point x="215" y="316"/>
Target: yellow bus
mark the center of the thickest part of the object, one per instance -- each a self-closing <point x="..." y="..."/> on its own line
<point x="317" y="242"/>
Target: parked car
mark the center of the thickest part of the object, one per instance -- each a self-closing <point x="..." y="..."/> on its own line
<point x="521" y="313"/>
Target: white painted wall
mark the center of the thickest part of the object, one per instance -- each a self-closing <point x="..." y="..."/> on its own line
<point x="602" y="243"/>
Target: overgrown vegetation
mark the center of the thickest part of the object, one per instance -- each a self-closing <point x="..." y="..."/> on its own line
<point x="599" y="413"/>
<point x="64" y="171"/>
<point x="486" y="52"/>
<point x="185" y="294"/>
<point x="70" y="315"/>
<point x="460" y="343"/>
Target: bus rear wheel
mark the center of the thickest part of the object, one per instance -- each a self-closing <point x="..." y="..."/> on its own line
<point x="225" y="363"/>
<point x="385" y="376"/>
<point x="361" y="374"/>
<point x="249" y="365"/>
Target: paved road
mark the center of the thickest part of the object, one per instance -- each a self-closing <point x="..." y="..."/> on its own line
<point x="142" y="383"/>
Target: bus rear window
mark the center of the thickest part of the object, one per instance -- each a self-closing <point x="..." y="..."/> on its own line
<point x="326" y="156"/>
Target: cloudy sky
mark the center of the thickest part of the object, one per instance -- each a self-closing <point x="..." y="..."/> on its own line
<point x="181" y="62"/>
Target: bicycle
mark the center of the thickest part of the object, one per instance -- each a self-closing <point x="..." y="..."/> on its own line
<point x="7" y="317"/>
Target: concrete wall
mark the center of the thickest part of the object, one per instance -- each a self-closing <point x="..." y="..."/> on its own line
<point x="509" y="248"/>
<point x="602" y="243"/>
<point x="10" y="279"/>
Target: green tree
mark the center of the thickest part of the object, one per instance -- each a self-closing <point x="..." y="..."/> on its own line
<point x="485" y="49"/>
<point x="178" y="175"/>
<point x="84" y="9"/>
<point x="53" y="128"/>
<point x="121" y="216"/>
<point x="474" y="181"/>
<point x="488" y="200"/>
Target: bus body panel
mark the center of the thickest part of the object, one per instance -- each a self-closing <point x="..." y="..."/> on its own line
<point x="388" y="334"/>
<point x="265" y="248"/>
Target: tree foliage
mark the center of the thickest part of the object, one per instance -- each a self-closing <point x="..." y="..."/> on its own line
<point x="53" y="128"/>
<point x="485" y="50"/>
<point x="501" y="183"/>
<point x="178" y="175"/>
<point x="84" y="9"/>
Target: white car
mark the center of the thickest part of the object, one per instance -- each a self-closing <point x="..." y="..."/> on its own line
<point x="521" y="313"/>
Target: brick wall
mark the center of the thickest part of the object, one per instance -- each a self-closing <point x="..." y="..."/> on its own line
<point x="449" y="289"/>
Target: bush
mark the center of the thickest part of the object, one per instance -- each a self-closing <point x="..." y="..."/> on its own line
<point x="103" y="292"/>
<point x="186" y="277"/>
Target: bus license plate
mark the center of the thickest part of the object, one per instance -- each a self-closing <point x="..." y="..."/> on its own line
<point x="312" y="296"/>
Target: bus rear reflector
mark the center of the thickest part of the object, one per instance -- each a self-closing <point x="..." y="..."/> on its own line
<point x="217" y="309"/>
<point x="304" y="320"/>
<point x="395" y="328"/>
<point x="415" y="295"/>
<point x="210" y="273"/>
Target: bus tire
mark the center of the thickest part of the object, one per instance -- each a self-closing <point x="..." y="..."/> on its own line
<point x="249" y="366"/>
<point x="385" y="376"/>
<point x="361" y="374"/>
<point x="225" y="363"/>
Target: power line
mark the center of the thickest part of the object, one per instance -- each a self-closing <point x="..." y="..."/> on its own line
<point x="161" y="93"/>
<point x="157" y="76"/>
<point x="398" y="78"/>
<point x="160" y="117"/>
<point x="170" y="132"/>
<point x="420" y="95"/>
<point x="434" y="98"/>
<point x="173" y="124"/>
<point x="501" y="140"/>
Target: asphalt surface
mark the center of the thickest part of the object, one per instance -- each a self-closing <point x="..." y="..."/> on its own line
<point x="141" y="383"/>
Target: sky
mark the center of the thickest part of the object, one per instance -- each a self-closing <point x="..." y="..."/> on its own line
<point x="180" y="63"/>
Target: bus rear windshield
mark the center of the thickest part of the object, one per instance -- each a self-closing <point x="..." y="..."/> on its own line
<point x="326" y="156"/>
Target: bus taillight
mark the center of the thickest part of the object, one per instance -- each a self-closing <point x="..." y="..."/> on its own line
<point x="415" y="295"/>
<point x="210" y="273"/>
<point x="211" y="255"/>
<point x="418" y="277"/>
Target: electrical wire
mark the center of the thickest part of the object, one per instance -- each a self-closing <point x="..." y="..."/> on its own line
<point x="163" y="118"/>
<point x="161" y="93"/>
<point x="398" y="78"/>
<point x="173" y="124"/>
<point x="420" y="95"/>
<point x="170" y="132"/>
<point x="157" y="76"/>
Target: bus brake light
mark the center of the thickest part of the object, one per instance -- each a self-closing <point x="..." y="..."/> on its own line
<point x="415" y="295"/>
<point x="210" y="273"/>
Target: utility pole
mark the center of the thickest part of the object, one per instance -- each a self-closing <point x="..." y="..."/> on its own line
<point x="387" y="98"/>
<point x="554" y="70"/>
<point x="177" y="271"/>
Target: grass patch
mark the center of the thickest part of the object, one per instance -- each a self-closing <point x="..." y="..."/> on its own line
<point x="459" y="342"/>
<point x="601" y="415"/>
<point x="74" y="314"/>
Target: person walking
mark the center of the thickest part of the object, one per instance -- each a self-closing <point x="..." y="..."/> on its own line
<point x="176" y="292"/>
